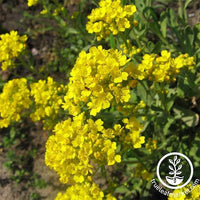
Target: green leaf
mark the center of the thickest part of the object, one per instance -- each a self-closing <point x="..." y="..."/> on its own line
<point x="156" y="28"/>
<point x="121" y="189"/>
<point x="157" y="47"/>
<point x="112" y="41"/>
<point x="28" y="15"/>
<point x="150" y="11"/>
<point x="72" y="31"/>
<point x="187" y="3"/>
<point x="144" y="93"/>
<point x="140" y="5"/>
<point x="189" y="117"/>
<point x="170" y="121"/>
<point x="163" y="23"/>
<point x="189" y="36"/>
<point x="174" y="24"/>
<point x="172" y="18"/>
<point x="12" y="133"/>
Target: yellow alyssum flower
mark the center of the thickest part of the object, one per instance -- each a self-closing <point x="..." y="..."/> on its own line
<point x="132" y="138"/>
<point x="110" y="17"/>
<point x="13" y="100"/>
<point x="44" y="11"/>
<point x="32" y="2"/>
<point x="85" y="191"/>
<point x="75" y="145"/>
<point x="96" y="81"/>
<point x="47" y="100"/>
<point x="195" y="194"/>
<point x="129" y="49"/>
<point x="188" y="192"/>
<point x="11" y="45"/>
<point x="160" y="68"/>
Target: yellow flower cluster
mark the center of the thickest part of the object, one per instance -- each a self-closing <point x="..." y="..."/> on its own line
<point x="11" y="45"/>
<point x="13" y="100"/>
<point x="96" y="81"/>
<point x="47" y="99"/>
<point x="110" y="17"/>
<point x="85" y="191"/>
<point x="128" y="49"/>
<point x="141" y="172"/>
<point x="133" y="137"/>
<point x="75" y="144"/>
<point x="186" y="193"/>
<point x="32" y="2"/>
<point x="160" y="68"/>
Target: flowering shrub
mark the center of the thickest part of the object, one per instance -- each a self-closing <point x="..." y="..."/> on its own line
<point x="131" y="96"/>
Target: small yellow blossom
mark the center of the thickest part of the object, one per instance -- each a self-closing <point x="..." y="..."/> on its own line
<point x="11" y="45"/>
<point x="110" y="17"/>
<point x="188" y="192"/>
<point x="133" y="137"/>
<point x="47" y="100"/>
<point x="160" y="68"/>
<point x="76" y="144"/>
<point x="32" y="2"/>
<point x="129" y="49"/>
<point x="85" y="191"/>
<point x="13" y="100"/>
<point x="44" y="11"/>
<point x="96" y="81"/>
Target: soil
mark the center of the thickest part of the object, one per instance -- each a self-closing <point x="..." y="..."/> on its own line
<point x="35" y="138"/>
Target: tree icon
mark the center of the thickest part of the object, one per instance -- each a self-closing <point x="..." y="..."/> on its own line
<point x="175" y="180"/>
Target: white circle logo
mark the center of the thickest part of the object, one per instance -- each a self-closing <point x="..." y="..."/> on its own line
<point x="175" y="168"/>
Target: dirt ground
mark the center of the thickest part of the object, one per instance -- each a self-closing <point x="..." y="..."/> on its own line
<point x="10" y="190"/>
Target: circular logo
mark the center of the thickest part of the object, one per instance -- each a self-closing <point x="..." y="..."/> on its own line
<point x="176" y="164"/>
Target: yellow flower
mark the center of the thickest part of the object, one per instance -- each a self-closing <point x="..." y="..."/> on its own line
<point x="129" y="49"/>
<point x="44" y="11"/>
<point x="76" y="144"/>
<point x="160" y="68"/>
<point x="132" y="138"/>
<point x="96" y="81"/>
<point x="32" y="2"/>
<point x="11" y="45"/>
<point x="189" y="192"/>
<point x="85" y="191"/>
<point x="13" y="100"/>
<point x="195" y="194"/>
<point x="48" y="100"/>
<point x="110" y="17"/>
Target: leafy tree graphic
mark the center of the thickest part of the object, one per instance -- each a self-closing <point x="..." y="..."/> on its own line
<point x="175" y="180"/>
